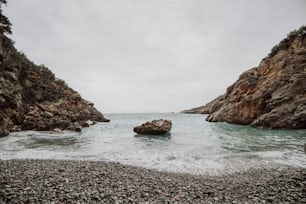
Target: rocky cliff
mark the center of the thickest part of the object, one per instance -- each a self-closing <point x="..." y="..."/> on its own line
<point x="272" y="95"/>
<point x="31" y="98"/>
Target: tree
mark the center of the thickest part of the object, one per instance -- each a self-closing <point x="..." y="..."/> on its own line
<point x="5" y="28"/>
<point x="5" y="24"/>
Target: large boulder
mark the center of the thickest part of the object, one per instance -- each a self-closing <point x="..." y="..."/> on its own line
<point x="155" y="127"/>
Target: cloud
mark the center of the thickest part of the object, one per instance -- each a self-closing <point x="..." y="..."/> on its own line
<point x="149" y="56"/>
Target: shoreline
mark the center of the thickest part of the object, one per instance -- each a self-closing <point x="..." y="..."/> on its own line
<point x="73" y="181"/>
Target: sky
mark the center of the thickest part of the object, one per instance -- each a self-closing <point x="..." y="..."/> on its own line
<point x="151" y="55"/>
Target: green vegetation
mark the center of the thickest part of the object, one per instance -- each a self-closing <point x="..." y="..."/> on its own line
<point x="34" y="83"/>
<point x="5" y="24"/>
<point x="285" y="43"/>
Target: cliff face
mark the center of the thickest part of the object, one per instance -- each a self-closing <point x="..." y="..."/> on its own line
<point x="31" y="98"/>
<point x="272" y="95"/>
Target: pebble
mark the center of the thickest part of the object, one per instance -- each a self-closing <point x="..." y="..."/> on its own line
<point x="54" y="181"/>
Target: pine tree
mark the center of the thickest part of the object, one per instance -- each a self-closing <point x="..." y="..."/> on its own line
<point x="5" y="28"/>
<point x="5" y="24"/>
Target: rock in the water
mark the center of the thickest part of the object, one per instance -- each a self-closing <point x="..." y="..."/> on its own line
<point x="272" y="95"/>
<point x="57" y="131"/>
<point x="155" y="127"/>
<point x="75" y="127"/>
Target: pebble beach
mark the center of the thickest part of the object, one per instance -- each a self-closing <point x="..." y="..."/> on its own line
<point x="62" y="181"/>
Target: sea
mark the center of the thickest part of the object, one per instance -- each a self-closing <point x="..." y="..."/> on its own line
<point x="193" y="146"/>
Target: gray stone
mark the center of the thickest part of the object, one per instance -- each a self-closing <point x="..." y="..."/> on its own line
<point x="155" y="127"/>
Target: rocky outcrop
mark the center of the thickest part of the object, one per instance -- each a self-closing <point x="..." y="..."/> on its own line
<point x="272" y="95"/>
<point x="206" y="109"/>
<point x="31" y="98"/>
<point x="155" y="127"/>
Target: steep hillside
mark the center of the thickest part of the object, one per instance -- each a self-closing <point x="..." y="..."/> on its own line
<point x="272" y="95"/>
<point x="31" y="98"/>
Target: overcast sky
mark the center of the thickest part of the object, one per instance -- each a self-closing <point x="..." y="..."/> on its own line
<point x="151" y="55"/>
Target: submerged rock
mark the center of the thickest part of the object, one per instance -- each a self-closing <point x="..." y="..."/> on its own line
<point x="75" y="127"/>
<point x="57" y="131"/>
<point x="155" y="127"/>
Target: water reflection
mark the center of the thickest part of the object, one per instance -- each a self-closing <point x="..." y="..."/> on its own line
<point x="164" y="137"/>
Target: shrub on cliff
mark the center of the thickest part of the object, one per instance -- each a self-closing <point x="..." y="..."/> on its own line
<point x="285" y="43"/>
<point x="5" y="24"/>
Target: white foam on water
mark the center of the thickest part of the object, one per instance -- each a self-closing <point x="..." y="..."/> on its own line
<point x="194" y="146"/>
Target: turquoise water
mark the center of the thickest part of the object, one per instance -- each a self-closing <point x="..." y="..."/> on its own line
<point x="194" y="145"/>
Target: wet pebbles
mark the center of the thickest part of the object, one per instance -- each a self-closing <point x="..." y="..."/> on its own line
<point x="54" y="181"/>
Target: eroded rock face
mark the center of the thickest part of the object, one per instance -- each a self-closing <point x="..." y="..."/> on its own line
<point x="31" y="98"/>
<point x="155" y="127"/>
<point x="272" y="95"/>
